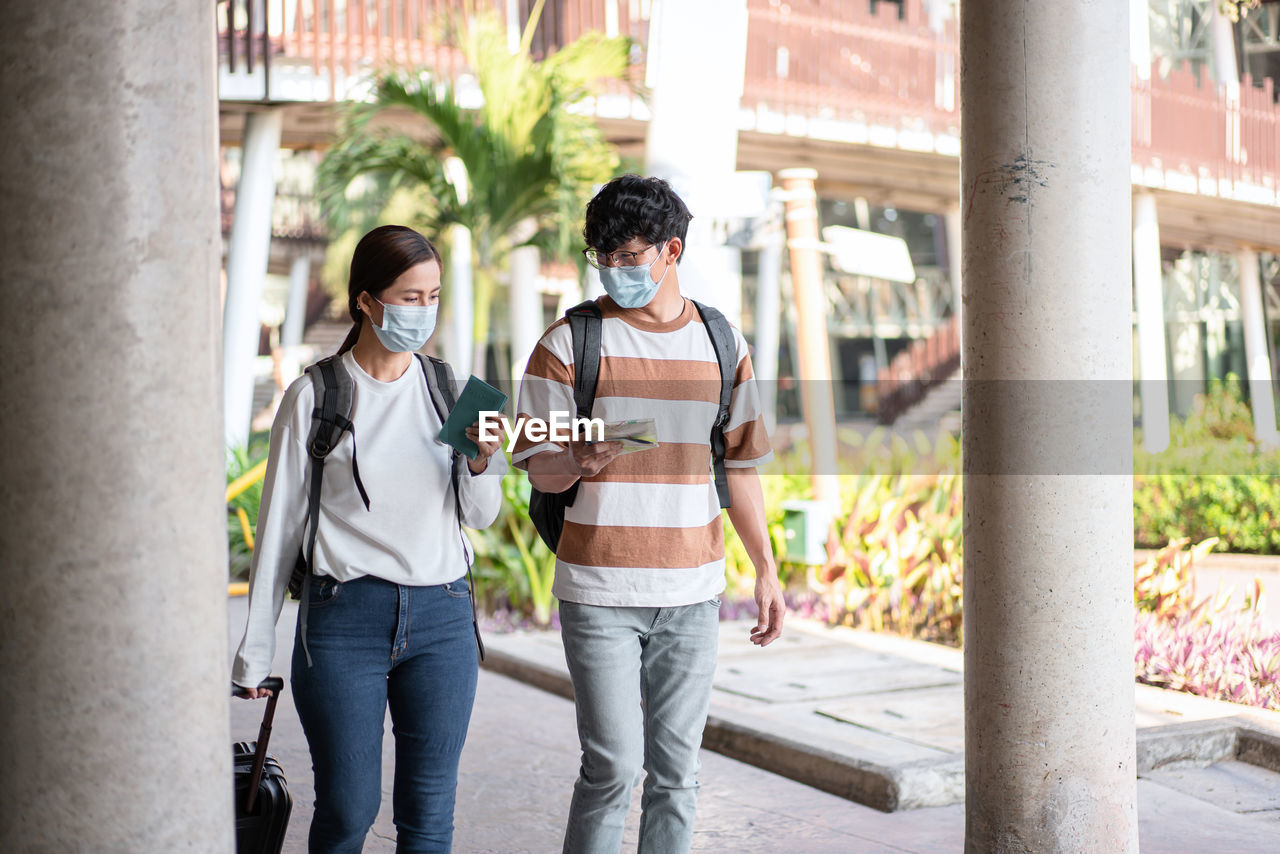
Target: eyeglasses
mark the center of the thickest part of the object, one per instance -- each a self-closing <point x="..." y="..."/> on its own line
<point x="621" y="260"/>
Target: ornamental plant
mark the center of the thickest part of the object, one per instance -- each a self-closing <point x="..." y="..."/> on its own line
<point x="894" y="555"/>
<point x="895" y="560"/>
<point x="514" y="569"/>
<point x="1201" y="645"/>
<point x="1234" y="657"/>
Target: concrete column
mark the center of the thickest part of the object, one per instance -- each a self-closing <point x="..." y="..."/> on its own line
<point x="768" y="326"/>
<point x="1140" y="37"/>
<point x="953" y="222"/>
<point x="247" y="258"/>
<point x="680" y="52"/>
<point x="591" y="285"/>
<point x="295" y="313"/>
<point x="461" y="302"/>
<point x="1222" y="41"/>
<point x="811" y="331"/>
<point x="1257" y="354"/>
<point x="113" y="643"/>
<point x="1148" y="280"/>
<point x="525" y="307"/>
<point x="461" y="290"/>
<point x="1048" y="586"/>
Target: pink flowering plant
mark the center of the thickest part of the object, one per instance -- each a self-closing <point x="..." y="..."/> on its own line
<point x="1201" y="645"/>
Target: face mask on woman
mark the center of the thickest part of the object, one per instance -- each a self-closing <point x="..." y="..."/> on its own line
<point x="632" y="287"/>
<point x="405" y="328"/>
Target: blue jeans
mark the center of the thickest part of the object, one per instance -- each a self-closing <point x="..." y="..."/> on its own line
<point x="642" y="685"/>
<point x="376" y="644"/>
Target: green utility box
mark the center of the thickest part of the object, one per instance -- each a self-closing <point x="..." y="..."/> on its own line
<point x="805" y="525"/>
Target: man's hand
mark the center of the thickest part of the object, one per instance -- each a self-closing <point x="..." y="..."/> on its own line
<point x="487" y="449"/>
<point x="590" y="457"/>
<point x="557" y="471"/>
<point x="772" y="608"/>
<point x="746" y="512"/>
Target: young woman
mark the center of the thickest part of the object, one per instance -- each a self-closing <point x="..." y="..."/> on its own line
<point x="389" y="616"/>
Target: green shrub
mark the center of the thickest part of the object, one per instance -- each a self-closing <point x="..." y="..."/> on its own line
<point x="1214" y="480"/>
<point x="514" y="568"/>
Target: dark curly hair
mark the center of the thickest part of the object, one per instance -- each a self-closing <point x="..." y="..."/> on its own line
<point x="634" y="206"/>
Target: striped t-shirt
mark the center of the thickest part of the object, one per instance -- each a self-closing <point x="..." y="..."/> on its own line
<point x="646" y="530"/>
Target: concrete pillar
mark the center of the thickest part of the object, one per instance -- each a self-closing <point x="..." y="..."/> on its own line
<point x="460" y="293"/>
<point x="1222" y="42"/>
<point x="816" y="397"/>
<point x="680" y="51"/>
<point x="591" y="285"/>
<point x="1257" y="355"/>
<point x="113" y="643"/>
<point x="525" y="307"/>
<point x="461" y="301"/>
<point x="1140" y="37"/>
<point x="768" y="326"/>
<point x="1047" y="433"/>
<point x="295" y="313"/>
<point x="953" y="222"/>
<point x="1148" y="281"/>
<point x="247" y="258"/>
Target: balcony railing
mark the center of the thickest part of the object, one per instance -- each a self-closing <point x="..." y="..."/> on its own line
<point x="879" y="66"/>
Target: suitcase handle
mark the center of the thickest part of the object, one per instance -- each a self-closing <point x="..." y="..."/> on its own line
<point x="275" y="685"/>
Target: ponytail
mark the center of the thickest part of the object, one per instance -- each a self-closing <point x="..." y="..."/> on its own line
<point x="350" y="340"/>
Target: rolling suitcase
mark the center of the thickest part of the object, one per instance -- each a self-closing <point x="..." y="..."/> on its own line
<point x="263" y="802"/>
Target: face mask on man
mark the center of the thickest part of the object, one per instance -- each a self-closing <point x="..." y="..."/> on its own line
<point x="405" y="328"/>
<point x="632" y="287"/>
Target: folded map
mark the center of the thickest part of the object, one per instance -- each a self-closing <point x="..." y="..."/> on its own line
<point x="638" y="434"/>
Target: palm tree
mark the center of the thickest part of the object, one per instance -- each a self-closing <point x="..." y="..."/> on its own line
<point x="528" y="159"/>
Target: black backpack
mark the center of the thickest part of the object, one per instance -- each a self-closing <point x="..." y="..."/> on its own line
<point x="331" y="417"/>
<point x="546" y="509"/>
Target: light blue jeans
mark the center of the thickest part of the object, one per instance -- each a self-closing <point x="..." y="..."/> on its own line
<point x="642" y="682"/>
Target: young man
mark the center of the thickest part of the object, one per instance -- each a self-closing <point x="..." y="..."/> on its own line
<point x="641" y="558"/>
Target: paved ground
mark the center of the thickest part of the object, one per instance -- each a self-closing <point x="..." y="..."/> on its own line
<point x="521" y="760"/>
<point x="1236" y="573"/>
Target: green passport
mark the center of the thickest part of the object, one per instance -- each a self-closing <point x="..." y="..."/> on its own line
<point x="477" y="396"/>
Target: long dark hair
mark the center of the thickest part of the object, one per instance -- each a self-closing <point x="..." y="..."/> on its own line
<point x="380" y="258"/>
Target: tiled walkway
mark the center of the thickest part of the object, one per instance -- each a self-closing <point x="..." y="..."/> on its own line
<point x="521" y="760"/>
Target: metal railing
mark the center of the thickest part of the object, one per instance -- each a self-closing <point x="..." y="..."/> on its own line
<point x="1186" y="124"/>
<point x="925" y="363"/>
<point x="841" y="62"/>
<point x="852" y="61"/>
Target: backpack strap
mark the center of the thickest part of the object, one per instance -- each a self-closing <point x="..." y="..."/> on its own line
<point x="585" y="325"/>
<point x="443" y="394"/>
<point x="723" y="343"/>
<point x="334" y="393"/>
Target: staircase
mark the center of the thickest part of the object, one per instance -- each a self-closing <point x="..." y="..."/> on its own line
<point x="323" y="337"/>
<point x="914" y="392"/>
<point x="938" y="409"/>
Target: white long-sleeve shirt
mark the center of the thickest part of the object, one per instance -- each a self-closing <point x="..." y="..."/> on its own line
<point x="409" y="535"/>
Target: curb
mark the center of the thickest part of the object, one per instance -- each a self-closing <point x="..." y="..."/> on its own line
<point x="921" y="782"/>
<point x="886" y="788"/>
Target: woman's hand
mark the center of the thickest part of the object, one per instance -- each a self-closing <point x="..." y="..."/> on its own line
<point x="487" y="449"/>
